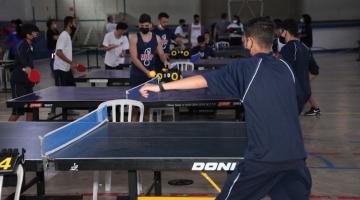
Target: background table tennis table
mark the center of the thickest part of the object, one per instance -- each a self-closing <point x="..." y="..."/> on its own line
<point x="126" y="146"/>
<point x="117" y="77"/>
<point x="210" y="63"/>
<point x="88" y="98"/>
<point x="110" y="77"/>
<point x="232" y="52"/>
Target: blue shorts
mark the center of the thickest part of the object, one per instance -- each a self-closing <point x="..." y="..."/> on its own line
<point x="253" y="180"/>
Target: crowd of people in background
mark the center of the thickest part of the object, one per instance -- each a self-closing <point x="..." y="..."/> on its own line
<point x="149" y="47"/>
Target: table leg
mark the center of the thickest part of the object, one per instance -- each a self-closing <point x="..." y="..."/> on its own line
<point x="157" y="182"/>
<point x="36" y="114"/>
<point x="132" y="182"/>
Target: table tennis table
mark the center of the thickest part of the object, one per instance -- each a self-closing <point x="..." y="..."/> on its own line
<point x="108" y="77"/>
<point x="122" y="146"/>
<point x="213" y="63"/>
<point x="232" y="52"/>
<point x="88" y="98"/>
<point x="116" y="77"/>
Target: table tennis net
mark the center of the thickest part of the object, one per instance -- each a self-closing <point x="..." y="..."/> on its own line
<point x="134" y="92"/>
<point x="72" y="132"/>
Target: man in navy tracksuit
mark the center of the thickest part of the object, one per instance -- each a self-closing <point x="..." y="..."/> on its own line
<point x="300" y="59"/>
<point x="275" y="156"/>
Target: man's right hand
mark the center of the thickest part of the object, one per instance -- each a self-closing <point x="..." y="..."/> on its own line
<point x="144" y="90"/>
<point x="27" y="70"/>
<point x="73" y="64"/>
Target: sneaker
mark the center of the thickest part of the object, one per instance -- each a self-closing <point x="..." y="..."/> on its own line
<point x="313" y="112"/>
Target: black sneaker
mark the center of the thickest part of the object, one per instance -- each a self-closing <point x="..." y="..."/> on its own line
<point x="313" y="112"/>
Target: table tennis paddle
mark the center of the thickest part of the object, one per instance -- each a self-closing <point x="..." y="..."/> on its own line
<point x="34" y="76"/>
<point x="81" y="68"/>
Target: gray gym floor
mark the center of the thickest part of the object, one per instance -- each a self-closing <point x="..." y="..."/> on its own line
<point x="332" y="140"/>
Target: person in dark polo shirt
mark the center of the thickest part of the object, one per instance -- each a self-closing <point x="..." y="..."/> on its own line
<point x="20" y="83"/>
<point x="275" y="157"/>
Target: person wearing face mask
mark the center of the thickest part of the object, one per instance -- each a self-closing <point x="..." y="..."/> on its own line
<point x="220" y="32"/>
<point x="274" y="161"/>
<point x="52" y="35"/>
<point x="144" y="45"/>
<point x="24" y="63"/>
<point x="208" y="40"/>
<point x="166" y="35"/>
<point x="302" y="62"/>
<point x="279" y="41"/>
<point x="202" y="48"/>
<point x="110" y="25"/>
<point x="14" y="37"/>
<point x="115" y="44"/>
<point x="179" y="31"/>
<point x="235" y="29"/>
<point x="306" y="35"/>
<point x="195" y="30"/>
<point x="64" y="63"/>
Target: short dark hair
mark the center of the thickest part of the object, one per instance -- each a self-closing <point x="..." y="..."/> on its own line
<point x="49" y="22"/>
<point x="109" y="18"/>
<point x="291" y="26"/>
<point x="201" y="39"/>
<point x="182" y="21"/>
<point x="27" y="29"/>
<point x="307" y="19"/>
<point x="262" y="29"/>
<point x="277" y="23"/>
<point x="68" y="20"/>
<point x="144" y="18"/>
<point x="163" y="14"/>
<point x="121" y="26"/>
<point x="196" y="16"/>
<point x="224" y="15"/>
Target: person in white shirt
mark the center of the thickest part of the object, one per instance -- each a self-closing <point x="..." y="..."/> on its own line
<point x="110" y="25"/>
<point x="195" y="30"/>
<point x="115" y="44"/>
<point x="64" y="64"/>
<point x="236" y="30"/>
<point x="180" y="32"/>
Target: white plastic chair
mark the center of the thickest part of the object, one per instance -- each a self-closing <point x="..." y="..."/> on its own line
<point x="183" y="65"/>
<point x="222" y="44"/>
<point x="118" y="107"/>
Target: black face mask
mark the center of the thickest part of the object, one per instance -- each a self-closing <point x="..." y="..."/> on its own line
<point x="282" y="40"/>
<point x="144" y="30"/>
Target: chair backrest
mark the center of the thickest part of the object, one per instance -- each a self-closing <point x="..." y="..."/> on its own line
<point x="119" y="105"/>
<point x="222" y="44"/>
<point x="183" y="65"/>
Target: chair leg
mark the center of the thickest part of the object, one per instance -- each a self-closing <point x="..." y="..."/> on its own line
<point x="108" y="181"/>
<point x="139" y="185"/>
<point x="19" y="183"/>
<point x="158" y="115"/>
<point x="1" y="183"/>
<point x="95" y="185"/>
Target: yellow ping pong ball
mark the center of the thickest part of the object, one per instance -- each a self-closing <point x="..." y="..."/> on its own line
<point x="152" y="74"/>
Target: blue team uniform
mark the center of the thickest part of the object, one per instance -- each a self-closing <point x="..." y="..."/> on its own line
<point x="275" y="156"/>
<point x="300" y="59"/>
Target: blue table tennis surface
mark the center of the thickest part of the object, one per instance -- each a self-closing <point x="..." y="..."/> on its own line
<point x="87" y="97"/>
<point x="124" y="146"/>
